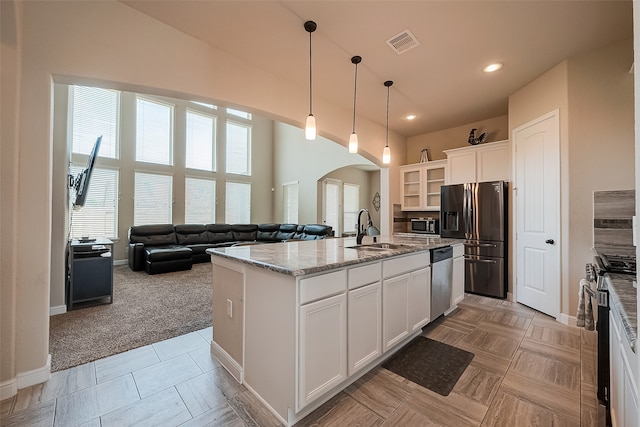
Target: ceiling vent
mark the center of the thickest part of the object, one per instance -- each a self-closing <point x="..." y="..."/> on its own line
<point x="400" y="43"/>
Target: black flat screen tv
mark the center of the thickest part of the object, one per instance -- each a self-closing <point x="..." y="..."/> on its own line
<point x="81" y="182"/>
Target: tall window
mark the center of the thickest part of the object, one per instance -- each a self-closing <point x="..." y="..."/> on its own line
<point x="332" y="204"/>
<point x="238" y="203"/>
<point x="200" y="201"/>
<point x="200" y="141"/>
<point x="290" y="199"/>
<point x="95" y="112"/>
<point x="99" y="215"/>
<point x="238" y="148"/>
<point x="351" y="203"/>
<point x="154" y="130"/>
<point x="152" y="199"/>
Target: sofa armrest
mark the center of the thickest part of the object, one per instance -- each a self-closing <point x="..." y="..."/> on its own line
<point x="136" y="256"/>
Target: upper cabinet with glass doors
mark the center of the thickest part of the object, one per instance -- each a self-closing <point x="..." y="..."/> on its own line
<point x="420" y="185"/>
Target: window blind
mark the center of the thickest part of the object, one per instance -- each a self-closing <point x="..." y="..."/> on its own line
<point x="154" y="129"/>
<point x="152" y="199"/>
<point x="200" y="143"/>
<point x="290" y="198"/>
<point x="95" y="112"/>
<point x="99" y="216"/>
<point x="332" y="204"/>
<point x="351" y="203"/>
<point x="238" y="148"/>
<point x="200" y="201"/>
<point x="238" y="203"/>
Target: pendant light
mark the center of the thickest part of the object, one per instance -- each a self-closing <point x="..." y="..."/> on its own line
<point x="353" y="139"/>
<point x="386" y="153"/>
<point x="310" y="127"/>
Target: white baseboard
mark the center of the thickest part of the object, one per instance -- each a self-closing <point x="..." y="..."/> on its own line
<point x="36" y="376"/>
<point x="58" y="309"/>
<point x="120" y="262"/>
<point x="510" y="297"/>
<point x="567" y="320"/>
<point x="10" y="387"/>
<point x="227" y="362"/>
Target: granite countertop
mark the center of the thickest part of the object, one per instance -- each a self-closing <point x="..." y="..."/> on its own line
<point x="298" y="258"/>
<point x="623" y="296"/>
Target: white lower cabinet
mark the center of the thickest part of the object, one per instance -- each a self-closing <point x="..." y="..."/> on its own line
<point x="322" y="347"/>
<point x="395" y="316"/>
<point x="457" y="280"/>
<point x="623" y="376"/>
<point x="364" y="325"/>
<point x="419" y="303"/>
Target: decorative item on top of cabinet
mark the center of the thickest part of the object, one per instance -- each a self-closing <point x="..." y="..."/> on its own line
<point x="420" y="185"/>
<point x="479" y="163"/>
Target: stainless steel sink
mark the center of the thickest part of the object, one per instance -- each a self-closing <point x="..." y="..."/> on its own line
<point x="379" y="246"/>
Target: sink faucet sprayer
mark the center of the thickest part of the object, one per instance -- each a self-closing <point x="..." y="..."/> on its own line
<point x="370" y="231"/>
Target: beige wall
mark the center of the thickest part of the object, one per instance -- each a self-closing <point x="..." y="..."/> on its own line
<point x="306" y="162"/>
<point x="497" y="129"/>
<point x="78" y="43"/>
<point x="594" y="95"/>
<point x="10" y="81"/>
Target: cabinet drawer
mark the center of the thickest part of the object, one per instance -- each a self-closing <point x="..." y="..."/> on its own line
<point x="360" y="276"/>
<point x="400" y="265"/>
<point x="458" y="250"/>
<point x="323" y="285"/>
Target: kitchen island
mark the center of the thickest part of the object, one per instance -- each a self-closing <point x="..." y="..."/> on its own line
<point x="297" y="322"/>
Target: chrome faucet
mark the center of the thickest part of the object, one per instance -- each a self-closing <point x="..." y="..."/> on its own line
<point x="369" y="231"/>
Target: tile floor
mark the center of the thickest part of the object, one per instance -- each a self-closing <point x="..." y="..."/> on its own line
<point x="528" y="370"/>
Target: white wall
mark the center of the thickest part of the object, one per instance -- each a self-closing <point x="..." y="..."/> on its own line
<point x="107" y="43"/>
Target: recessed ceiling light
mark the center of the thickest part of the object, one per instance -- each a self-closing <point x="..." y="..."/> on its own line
<point x="492" y="67"/>
<point x="411" y="117"/>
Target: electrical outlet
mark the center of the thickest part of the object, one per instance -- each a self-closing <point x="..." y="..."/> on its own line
<point x="229" y="308"/>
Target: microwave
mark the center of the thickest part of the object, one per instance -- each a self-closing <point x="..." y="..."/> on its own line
<point x="425" y="225"/>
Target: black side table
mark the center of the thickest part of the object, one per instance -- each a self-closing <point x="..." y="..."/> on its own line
<point x="90" y="272"/>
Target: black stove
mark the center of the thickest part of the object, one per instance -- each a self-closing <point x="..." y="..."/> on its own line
<point x="622" y="264"/>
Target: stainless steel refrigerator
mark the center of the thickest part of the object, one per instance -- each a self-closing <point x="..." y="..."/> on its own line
<point x="477" y="212"/>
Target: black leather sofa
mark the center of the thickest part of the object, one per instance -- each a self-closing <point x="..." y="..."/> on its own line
<point x="160" y="248"/>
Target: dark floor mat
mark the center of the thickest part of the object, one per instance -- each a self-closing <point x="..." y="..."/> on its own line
<point x="431" y="364"/>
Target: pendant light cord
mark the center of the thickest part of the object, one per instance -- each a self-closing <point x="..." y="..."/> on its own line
<point x="388" y="89"/>
<point x="355" y="92"/>
<point x="310" y="78"/>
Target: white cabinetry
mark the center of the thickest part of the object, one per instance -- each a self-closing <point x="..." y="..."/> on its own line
<point x="420" y="185"/>
<point x="624" y="376"/>
<point x="406" y="281"/>
<point x="323" y="336"/>
<point x="365" y="316"/>
<point x="479" y="163"/>
<point x="457" y="282"/>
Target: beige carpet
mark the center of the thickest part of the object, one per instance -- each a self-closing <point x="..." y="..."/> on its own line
<point x="145" y="309"/>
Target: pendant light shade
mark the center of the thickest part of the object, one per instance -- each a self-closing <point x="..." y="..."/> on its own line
<point x="353" y="139"/>
<point x="310" y="126"/>
<point x="386" y="153"/>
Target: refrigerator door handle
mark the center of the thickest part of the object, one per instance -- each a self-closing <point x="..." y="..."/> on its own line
<point x="484" y="245"/>
<point x="486" y="261"/>
<point x="465" y="211"/>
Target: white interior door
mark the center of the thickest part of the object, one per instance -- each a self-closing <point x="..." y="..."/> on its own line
<point x="537" y="172"/>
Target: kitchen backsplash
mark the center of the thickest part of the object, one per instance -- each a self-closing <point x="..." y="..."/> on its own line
<point x="613" y="213"/>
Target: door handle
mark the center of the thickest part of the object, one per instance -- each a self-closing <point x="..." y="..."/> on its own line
<point x="485" y="261"/>
<point x="549" y="241"/>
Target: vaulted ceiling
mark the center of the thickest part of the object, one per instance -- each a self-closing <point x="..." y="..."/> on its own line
<point x="440" y="80"/>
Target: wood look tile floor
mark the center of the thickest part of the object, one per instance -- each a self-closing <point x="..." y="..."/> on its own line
<point x="528" y="370"/>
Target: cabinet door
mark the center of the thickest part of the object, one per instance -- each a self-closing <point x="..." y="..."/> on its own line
<point x="434" y="176"/>
<point x="457" y="285"/>
<point x="364" y="326"/>
<point x="616" y="376"/>
<point x="395" y="316"/>
<point x="493" y="163"/>
<point x="419" y="302"/>
<point x="323" y="347"/>
<point x="461" y="167"/>
<point x="630" y="404"/>
<point x="412" y="188"/>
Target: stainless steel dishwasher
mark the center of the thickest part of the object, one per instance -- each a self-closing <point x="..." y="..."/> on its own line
<point x="441" y="277"/>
